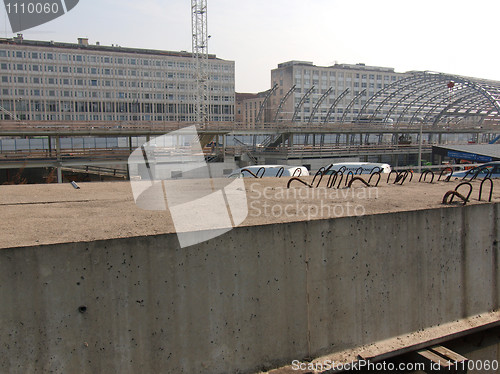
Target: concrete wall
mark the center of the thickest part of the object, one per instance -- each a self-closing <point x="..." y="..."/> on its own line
<point x="254" y="298"/>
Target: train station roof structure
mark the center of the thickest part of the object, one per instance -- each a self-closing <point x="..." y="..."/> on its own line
<point x="436" y="99"/>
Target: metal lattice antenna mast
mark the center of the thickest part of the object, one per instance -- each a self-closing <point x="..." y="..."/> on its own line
<point x="200" y="59"/>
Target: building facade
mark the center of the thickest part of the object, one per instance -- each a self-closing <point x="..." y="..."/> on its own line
<point x="50" y="81"/>
<point x="248" y="107"/>
<point x="320" y="95"/>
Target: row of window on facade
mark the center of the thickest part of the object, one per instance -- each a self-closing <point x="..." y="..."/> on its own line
<point x="108" y="83"/>
<point x="340" y="74"/>
<point x="93" y="59"/>
<point x="306" y="85"/>
<point x="20" y="93"/>
<point x="109" y="72"/>
<point x="97" y="106"/>
<point x="114" y="117"/>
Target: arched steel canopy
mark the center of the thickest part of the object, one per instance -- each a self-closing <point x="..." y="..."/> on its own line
<point x="434" y="99"/>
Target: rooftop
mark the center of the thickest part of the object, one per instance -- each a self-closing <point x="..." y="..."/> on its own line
<point x="82" y="45"/>
<point x="58" y="213"/>
<point x="359" y="66"/>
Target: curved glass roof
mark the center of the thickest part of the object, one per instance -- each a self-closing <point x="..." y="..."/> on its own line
<point x="435" y="99"/>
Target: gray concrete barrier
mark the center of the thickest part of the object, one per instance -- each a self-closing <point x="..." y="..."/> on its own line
<point x="255" y="298"/>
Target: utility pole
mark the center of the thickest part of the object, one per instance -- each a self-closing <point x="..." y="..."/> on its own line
<point x="200" y="60"/>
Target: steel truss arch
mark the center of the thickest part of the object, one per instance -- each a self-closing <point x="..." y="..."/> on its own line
<point x="283" y="101"/>
<point x="264" y="102"/>
<point x="334" y="105"/>
<point x="301" y="102"/>
<point x="434" y="99"/>
<point x="350" y="105"/>
<point x="317" y="105"/>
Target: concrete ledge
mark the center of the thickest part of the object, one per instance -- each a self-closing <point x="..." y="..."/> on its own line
<point x="402" y="344"/>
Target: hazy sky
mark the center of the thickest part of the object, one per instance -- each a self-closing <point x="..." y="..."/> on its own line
<point x="459" y="37"/>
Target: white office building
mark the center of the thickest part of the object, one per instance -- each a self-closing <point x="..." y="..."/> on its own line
<point x="324" y="94"/>
<point x="63" y="82"/>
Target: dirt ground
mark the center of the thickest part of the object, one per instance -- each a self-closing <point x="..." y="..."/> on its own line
<point x="56" y="213"/>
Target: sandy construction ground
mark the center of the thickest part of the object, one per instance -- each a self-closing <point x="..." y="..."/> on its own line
<point x="56" y="213"/>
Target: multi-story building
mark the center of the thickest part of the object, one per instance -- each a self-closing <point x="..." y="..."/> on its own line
<point x="318" y="94"/>
<point x="51" y="81"/>
<point x="248" y="107"/>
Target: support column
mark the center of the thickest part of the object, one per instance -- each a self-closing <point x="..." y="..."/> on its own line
<point x="58" y="158"/>
<point x="130" y="151"/>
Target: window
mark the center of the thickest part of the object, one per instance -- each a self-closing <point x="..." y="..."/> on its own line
<point x="3" y="53"/>
<point x="93" y="82"/>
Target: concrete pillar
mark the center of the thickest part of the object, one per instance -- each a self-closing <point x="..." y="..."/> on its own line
<point x="58" y="157"/>
<point x="130" y="151"/>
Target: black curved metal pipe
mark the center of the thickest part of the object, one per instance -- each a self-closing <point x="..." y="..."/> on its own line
<point x="448" y="177"/>
<point x="425" y="173"/>
<point x="371" y="176"/>
<point x="389" y="176"/>
<point x="453" y="194"/>
<point x="299" y="180"/>
<point x="357" y="179"/>
<point x="463" y="184"/>
<point x="249" y="172"/>
<point x="347" y="177"/>
<point x="481" y="188"/>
